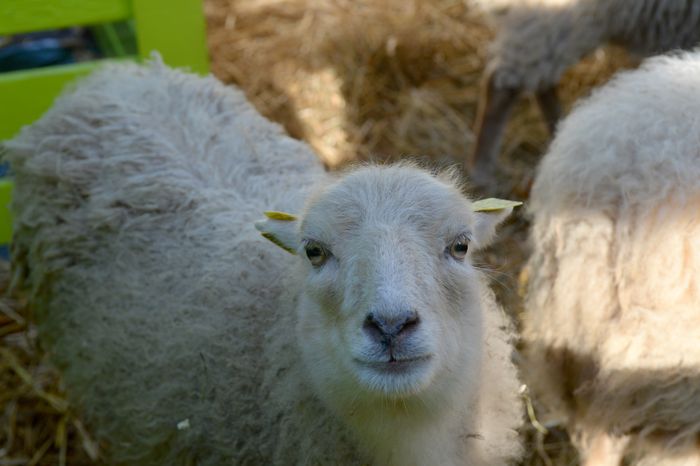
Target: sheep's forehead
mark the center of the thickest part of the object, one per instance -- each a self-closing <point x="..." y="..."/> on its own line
<point x="403" y="198"/>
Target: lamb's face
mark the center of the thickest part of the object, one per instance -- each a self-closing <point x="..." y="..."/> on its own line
<point x="391" y="305"/>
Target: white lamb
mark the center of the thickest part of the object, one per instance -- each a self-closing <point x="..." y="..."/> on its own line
<point x="538" y="40"/>
<point x="612" y="326"/>
<point x="185" y="338"/>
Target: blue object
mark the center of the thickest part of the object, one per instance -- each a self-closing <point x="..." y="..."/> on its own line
<point x="5" y="252"/>
<point x="33" y="54"/>
<point x="40" y="49"/>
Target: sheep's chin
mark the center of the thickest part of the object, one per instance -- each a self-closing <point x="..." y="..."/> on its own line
<point x="395" y="379"/>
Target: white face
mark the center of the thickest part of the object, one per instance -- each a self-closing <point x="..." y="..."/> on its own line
<point x="390" y="304"/>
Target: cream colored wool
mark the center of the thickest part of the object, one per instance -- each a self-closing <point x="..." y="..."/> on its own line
<point x="612" y="326"/>
<point x="185" y="338"/>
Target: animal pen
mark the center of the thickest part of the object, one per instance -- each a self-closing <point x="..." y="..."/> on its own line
<point x="367" y="80"/>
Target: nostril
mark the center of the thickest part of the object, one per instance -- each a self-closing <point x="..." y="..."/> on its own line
<point x="384" y="328"/>
<point x="410" y="322"/>
<point x="374" y="326"/>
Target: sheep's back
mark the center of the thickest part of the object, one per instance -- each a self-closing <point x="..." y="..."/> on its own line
<point x="539" y="39"/>
<point x="648" y="27"/>
<point x="614" y="289"/>
<point x="135" y="200"/>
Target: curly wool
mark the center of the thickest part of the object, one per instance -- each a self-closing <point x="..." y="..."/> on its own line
<point x="538" y="40"/>
<point x="612" y="324"/>
<point x="171" y="319"/>
<point x="135" y="199"/>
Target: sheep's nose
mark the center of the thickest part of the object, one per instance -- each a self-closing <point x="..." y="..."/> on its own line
<point x="385" y="329"/>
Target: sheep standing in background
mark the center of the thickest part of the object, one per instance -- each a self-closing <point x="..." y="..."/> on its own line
<point x="612" y="326"/>
<point x="538" y="40"/>
<point x="185" y="338"/>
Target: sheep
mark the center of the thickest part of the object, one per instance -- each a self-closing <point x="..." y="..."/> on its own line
<point x="612" y="321"/>
<point x="538" y="40"/>
<point x="184" y="337"/>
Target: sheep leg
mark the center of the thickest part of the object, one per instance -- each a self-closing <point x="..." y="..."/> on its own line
<point x="549" y="105"/>
<point x="495" y="106"/>
<point x="605" y="450"/>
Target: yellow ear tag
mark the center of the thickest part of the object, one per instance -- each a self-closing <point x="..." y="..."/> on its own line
<point x="280" y="229"/>
<point x="283" y="216"/>
<point x="273" y="239"/>
<point x="492" y="204"/>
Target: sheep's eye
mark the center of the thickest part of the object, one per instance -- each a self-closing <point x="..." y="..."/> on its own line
<point x="459" y="247"/>
<point x="316" y="253"/>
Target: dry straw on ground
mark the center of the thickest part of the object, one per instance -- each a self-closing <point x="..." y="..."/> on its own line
<point x="358" y="80"/>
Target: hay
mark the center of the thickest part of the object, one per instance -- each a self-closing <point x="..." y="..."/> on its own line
<point x="37" y="426"/>
<point x="358" y="80"/>
<point x="372" y="79"/>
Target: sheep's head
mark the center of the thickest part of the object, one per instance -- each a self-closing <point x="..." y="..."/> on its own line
<point x="390" y="306"/>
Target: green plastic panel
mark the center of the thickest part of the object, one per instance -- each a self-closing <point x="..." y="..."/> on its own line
<point x="19" y="16"/>
<point x="116" y="39"/>
<point x="5" y="217"/>
<point x="25" y="95"/>
<point x="175" y="28"/>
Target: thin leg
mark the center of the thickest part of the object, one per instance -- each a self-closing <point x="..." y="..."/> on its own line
<point x="550" y="107"/>
<point x="495" y="106"/>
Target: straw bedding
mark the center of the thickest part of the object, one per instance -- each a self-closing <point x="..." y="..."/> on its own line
<point x="358" y="80"/>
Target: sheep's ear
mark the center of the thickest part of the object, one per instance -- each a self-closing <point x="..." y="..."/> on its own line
<point x="281" y="229"/>
<point x="489" y="213"/>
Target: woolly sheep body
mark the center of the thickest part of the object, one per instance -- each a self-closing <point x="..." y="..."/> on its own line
<point x="612" y="323"/>
<point x="135" y="201"/>
<point x="538" y="40"/>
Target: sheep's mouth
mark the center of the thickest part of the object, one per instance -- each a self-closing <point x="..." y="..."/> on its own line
<point x="395" y="377"/>
<point x="393" y="366"/>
